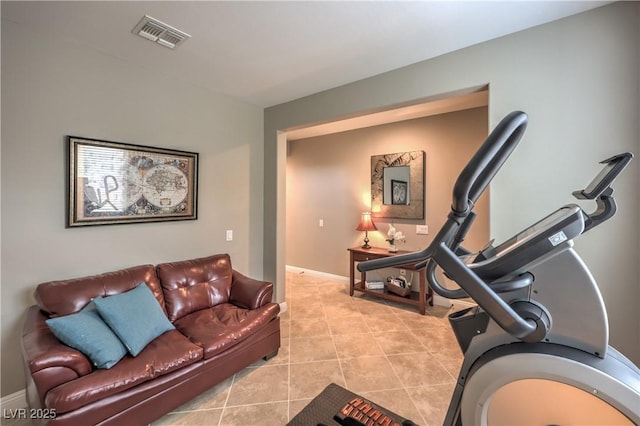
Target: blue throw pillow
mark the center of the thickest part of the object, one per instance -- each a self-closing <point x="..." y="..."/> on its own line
<point x="135" y="316"/>
<point x="87" y="332"/>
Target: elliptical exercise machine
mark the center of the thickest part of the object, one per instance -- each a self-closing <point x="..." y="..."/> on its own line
<point x="536" y="347"/>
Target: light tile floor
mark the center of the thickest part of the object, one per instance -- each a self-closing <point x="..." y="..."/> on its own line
<point x="387" y="352"/>
<point x="384" y="351"/>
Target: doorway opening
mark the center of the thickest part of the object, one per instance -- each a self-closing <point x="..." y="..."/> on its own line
<point x="458" y="101"/>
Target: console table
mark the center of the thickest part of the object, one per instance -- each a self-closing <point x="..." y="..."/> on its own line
<point x="419" y="298"/>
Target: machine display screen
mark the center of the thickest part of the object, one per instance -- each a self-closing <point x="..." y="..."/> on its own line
<point x="601" y="176"/>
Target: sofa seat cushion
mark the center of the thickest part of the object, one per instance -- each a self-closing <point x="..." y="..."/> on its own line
<point x="220" y="327"/>
<point x="169" y="352"/>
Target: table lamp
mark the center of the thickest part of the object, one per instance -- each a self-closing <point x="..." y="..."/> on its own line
<point x="366" y="225"/>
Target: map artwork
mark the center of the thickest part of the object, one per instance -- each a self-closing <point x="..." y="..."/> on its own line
<point x="117" y="182"/>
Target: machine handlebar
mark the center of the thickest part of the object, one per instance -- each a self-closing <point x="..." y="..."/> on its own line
<point x="471" y="183"/>
<point x="486" y="162"/>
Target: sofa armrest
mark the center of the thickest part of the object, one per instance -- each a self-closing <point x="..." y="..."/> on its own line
<point x="249" y="293"/>
<point x="48" y="361"/>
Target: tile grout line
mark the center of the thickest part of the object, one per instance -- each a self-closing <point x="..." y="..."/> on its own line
<point x="224" y="406"/>
<point x="335" y="347"/>
<point x="333" y="342"/>
<point x="404" y="386"/>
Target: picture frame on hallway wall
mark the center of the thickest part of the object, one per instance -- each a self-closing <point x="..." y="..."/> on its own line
<point x="111" y="183"/>
<point x="398" y="185"/>
<point x="399" y="192"/>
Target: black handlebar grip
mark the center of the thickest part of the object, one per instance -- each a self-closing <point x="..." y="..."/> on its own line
<point x="393" y="261"/>
<point x="486" y="162"/>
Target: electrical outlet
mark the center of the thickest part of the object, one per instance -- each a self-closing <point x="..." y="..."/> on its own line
<point x="321" y="223"/>
<point x="403" y="272"/>
<point x="229" y="235"/>
<point x="422" y="229"/>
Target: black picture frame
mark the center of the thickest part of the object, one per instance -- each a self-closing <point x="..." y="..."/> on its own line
<point x="399" y="191"/>
<point x="111" y="183"/>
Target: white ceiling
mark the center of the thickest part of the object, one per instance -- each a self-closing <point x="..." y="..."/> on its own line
<point x="267" y="53"/>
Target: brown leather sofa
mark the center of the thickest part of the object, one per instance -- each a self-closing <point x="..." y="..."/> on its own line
<point x="224" y="322"/>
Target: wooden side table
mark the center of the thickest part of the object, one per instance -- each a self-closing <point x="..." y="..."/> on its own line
<point x="420" y="298"/>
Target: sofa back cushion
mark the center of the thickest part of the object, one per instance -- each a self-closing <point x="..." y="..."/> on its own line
<point x="196" y="284"/>
<point x="66" y="297"/>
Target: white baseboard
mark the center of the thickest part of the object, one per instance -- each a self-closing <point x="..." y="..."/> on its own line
<point x="317" y="274"/>
<point x="14" y="401"/>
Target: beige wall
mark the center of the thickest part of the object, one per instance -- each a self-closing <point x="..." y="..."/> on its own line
<point x="52" y="88"/>
<point x="329" y="178"/>
<point x="579" y="81"/>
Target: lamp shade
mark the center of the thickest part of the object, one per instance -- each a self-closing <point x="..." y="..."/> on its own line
<point x="366" y="224"/>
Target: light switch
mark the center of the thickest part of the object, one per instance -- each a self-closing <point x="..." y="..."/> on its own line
<point x="229" y="235"/>
<point x="321" y="223"/>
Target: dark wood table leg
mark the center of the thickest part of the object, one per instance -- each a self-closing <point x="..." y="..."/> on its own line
<point x="423" y="290"/>
<point x="351" y="274"/>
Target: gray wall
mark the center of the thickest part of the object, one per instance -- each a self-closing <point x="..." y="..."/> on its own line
<point x="329" y="178"/>
<point x="578" y="79"/>
<point x="51" y="88"/>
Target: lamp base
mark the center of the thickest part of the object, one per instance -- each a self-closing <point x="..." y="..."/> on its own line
<point x="366" y="241"/>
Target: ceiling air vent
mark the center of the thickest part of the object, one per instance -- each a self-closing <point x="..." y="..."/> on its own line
<point x="154" y="30"/>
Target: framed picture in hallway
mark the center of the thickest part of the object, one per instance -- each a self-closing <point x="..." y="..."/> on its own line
<point x="398" y="185"/>
<point x="114" y="183"/>
<point x="399" y="191"/>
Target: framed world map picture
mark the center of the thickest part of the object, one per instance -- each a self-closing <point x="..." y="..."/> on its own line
<point x="114" y="183"/>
